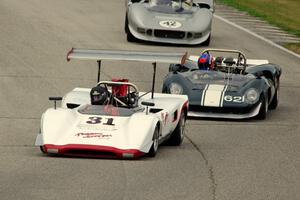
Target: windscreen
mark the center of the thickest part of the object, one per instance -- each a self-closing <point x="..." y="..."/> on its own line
<point x="202" y="77"/>
<point x="171" y="6"/>
<point x="106" y="110"/>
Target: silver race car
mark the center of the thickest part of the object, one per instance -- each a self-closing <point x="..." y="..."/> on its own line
<point x="169" y="21"/>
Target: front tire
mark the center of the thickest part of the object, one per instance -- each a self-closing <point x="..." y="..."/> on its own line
<point x="207" y="42"/>
<point x="275" y="100"/>
<point x="130" y="37"/>
<point x="126" y="25"/>
<point x="263" y="109"/>
<point x="178" y="134"/>
<point x="154" y="147"/>
<point x="42" y="149"/>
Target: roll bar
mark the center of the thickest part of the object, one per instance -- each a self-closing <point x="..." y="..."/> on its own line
<point x="241" y="59"/>
<point x="123" y="55"/>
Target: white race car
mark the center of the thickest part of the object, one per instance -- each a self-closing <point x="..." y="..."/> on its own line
<point x="113" y="119"/>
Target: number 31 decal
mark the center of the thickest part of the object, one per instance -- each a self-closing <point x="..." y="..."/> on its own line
<point x="98" y="120"/>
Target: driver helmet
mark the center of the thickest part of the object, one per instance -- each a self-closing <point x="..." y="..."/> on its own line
<point x="206" y="62"/>
<point x="99" y="95"/>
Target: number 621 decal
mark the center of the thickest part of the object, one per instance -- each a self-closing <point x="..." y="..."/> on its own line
<point x="100" y="120"/>
<point x="236" y="99"/>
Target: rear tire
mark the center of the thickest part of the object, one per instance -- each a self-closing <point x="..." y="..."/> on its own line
<point x="154" y="147"/>
<point x="178" y="134"/>
<point x="130" y="37"/>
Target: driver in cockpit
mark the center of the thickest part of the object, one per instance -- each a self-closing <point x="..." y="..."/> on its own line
<point x="99" y="95"/>
<point x="206" y="62"/>
<point x="185" y="4"/>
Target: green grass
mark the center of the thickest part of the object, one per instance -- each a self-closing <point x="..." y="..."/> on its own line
<point x="293" y="47"/>
<point x="284" y="14"/>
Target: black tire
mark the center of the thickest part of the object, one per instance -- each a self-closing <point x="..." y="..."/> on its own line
<point x="206" y="42"/>
<point x="42" y="149"/>
<point x="263" y="109"/>
<point x="130" y="37"/>
<point x="126" y="25"/>
<point x="178" y="134"/>
<point x="275" y="100"/>
<point x="154" y="147"/>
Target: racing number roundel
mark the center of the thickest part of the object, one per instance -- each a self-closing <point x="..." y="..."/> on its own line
<point x="98" y="120"/>
<point x="170" y="24"/>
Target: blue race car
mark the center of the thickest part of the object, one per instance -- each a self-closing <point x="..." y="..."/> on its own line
<point x="225" y="86"/>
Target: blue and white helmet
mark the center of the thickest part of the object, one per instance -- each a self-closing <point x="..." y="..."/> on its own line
<point x="206" y="62"/>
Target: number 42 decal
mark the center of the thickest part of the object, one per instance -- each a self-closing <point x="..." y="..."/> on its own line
<point x="99" y="120"/>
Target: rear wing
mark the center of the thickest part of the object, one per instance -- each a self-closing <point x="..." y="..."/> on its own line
<point x="143" y="56"/>
<point x="122" y="55"/>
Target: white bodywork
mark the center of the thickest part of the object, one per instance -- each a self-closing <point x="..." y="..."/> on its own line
<point x="63" y="128"/>
<point x="80" y="128"/>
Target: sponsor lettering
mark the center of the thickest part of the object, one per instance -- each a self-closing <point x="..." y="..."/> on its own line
<point x="93" y="135"/>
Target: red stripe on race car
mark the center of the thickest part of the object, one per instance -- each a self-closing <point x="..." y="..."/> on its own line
<point x="92" y="151"/>
<point x="185" y="106"/>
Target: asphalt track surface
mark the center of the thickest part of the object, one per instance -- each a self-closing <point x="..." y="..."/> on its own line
<point x="217" y="160"/>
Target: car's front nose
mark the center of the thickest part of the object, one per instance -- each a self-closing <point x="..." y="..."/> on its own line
<point x="222" y="104"/>
<point x="80" y="150"/>
<point x="171" y="28"/>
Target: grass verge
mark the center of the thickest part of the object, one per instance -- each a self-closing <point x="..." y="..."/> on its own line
<point x="295" y="47"/>
<point x="284" y="14"/>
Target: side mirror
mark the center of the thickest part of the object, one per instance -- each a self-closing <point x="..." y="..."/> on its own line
<point x="55" y="99"/>
<point x="147" y="104"/>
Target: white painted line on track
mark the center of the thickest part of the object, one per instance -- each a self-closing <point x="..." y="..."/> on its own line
<point x="256" y="35"/>
<point x="266" y="27"/>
